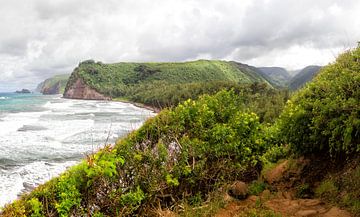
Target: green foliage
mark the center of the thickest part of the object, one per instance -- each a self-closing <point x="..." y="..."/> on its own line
<point x="192" y="148"/>
<point x="17" y="208"/>
<point x="343" y="190"/>
<point x="36" y="207"/>
<point x="164" y="84"/>
<point x="274" y="154"/>
<point x="68" y="194"/>
<point x="327" y="189"/>
<point x="133" y="199"/>
<point x="256" y="187"/>
<point x="303" y="191"/>
<point x="53" y="83"/>
<point x="324" y="116"/>
<point x="302" y="77"/>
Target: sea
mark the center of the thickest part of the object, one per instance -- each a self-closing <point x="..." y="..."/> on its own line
<point x="41" y="136"/>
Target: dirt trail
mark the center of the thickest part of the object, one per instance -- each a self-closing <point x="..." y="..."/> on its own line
<point x="285" y="207"/>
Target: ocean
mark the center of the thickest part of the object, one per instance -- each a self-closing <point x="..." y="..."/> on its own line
<point x="41" y="136"/>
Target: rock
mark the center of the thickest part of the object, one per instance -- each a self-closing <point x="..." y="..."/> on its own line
<point x="253" y="198"/>
<point x="265" y="194"/>
<point x="55" y="89"/>
<point x="227" y="197"/>
<point x="288" y="195"/>
<point x="239" y="190"/>
<point x="304" y="213"/>
<point x="336" y="212"/>
<point x="79" y="90"/>
<point x="23" y="91"/>
<point x="310" y="202"/>
<point x="276" y="173"/>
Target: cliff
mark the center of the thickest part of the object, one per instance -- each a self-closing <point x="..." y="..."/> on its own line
<point x="79" y="90"/>
<point x="53" y="85"/>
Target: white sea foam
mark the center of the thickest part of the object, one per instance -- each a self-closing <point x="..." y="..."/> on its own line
<point x="3" y="97"/>
<point x="69" y="129"/>
<point x="16" y="181"/>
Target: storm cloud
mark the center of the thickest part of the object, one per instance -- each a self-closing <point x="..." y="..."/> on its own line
<point x="40" y="38"/>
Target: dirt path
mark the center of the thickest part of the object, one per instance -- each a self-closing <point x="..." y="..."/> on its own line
<point x="285" y="207"/>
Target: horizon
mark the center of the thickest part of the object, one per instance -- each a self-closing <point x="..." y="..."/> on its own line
<point x="50" y="38"/>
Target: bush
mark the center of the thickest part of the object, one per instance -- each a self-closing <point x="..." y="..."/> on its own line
<point x="324" y="116"/>
<point x="327" y="190"/>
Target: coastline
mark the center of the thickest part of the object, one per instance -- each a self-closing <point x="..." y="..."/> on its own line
<point x="137" y="104"/>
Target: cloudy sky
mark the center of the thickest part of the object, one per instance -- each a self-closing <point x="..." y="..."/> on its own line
<point x="40" y="38"/>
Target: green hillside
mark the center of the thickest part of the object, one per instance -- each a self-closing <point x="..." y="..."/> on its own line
<point x="301" y="78"/>
<point x="149" y="82"/>
<point x="278" y="75"/>
<point x="53" y="85"/>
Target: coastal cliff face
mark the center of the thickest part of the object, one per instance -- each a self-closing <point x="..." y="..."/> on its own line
<point x="53" y="85"/>
<point x="79" y="90"/>
<point x="55" y="89"/>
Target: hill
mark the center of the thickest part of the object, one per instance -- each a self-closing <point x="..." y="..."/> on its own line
<point x="151" y="83"/>
<point x="303" y="76"/>
<point x="53" y="85"/>
<point x="278" y="75"/>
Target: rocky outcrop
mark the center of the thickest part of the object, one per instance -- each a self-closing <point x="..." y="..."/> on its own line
<point x="55" y="89"/>
<point x="79" y="90"/>
<point x="23" y="91"/>
<point x="53" y="85"/>
<point x="238" y="190"/>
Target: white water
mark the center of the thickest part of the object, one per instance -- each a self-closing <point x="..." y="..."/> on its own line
<point x="36" y="146"/>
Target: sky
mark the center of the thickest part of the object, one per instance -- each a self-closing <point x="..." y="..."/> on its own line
<point x="41" y="38"/>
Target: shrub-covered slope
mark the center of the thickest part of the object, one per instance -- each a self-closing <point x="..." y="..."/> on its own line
<point x="53" y="85"/>
<point x="183" y="153"/>
<point x="324" y="116"/>
<point x="150" y="83"/>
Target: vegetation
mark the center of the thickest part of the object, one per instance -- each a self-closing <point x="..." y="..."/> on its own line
<point x="279" y="76"/>
<point x="324" y="116"/>
<point x="181" y="154"/>
<point x="177" y="160"/>
<point x="53" y="85"/>
<point x="163" y="84"/>
<point x="304" y="76"/>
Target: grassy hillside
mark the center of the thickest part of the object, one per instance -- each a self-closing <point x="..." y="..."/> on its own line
<point x="301" y="78"/>
<point x="53" y="85"/>
<point x="145" y="82"/>
<point x="278" y="75"/>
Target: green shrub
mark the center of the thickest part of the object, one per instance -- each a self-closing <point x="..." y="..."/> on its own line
<point x="36" y="207"/>
<point x="327" y="189"/>
<point x="324" y="116"/>
<point x="303" y="191"/>
<point x="256" y="187"/>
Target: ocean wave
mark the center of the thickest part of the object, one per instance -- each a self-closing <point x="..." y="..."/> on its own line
<point x="31" y="128"/>
<point x="3" y="97"/>
<point x="27" y="177"/>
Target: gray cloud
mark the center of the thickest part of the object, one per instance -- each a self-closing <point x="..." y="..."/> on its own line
<point x="40" y="38"/>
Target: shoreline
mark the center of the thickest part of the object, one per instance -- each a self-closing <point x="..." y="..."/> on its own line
<point x="137" y="104"/>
